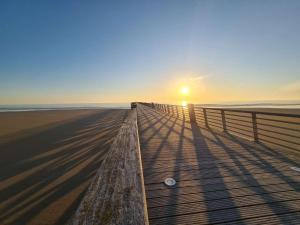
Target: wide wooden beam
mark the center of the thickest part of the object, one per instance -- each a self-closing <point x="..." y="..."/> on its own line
<point x="117" y="194"/>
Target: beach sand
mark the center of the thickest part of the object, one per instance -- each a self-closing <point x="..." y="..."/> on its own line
<point x="47" y="160"/>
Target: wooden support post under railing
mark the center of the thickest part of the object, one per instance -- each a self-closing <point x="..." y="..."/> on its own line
<point x="223" y="120"/>
<point x="192" y="113"/>
<point x="254" y="123"/>
<point x="168" y="109"/>
<point x="205" y="117"/>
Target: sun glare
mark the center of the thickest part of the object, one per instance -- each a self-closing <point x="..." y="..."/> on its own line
<point x="184" y="103"/>
<point x="184" y="90"/>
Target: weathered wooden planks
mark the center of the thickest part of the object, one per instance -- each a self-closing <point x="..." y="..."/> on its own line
<point x="221" y="179"/>
<point x="117" y="195"/>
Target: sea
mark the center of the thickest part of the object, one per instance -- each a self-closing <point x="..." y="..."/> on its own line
<point x="43" y="107"/>
<point x="126" y="105"/>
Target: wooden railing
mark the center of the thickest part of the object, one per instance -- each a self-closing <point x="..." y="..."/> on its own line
<point x="117" y="193"/>
<point x="276" y="129"/>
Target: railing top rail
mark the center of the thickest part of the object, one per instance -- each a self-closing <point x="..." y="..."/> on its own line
<point x="253" y="111"/>
<point x="242" y="111"/>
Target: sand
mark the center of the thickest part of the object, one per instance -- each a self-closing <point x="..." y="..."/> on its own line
<point x="47" y="160"/>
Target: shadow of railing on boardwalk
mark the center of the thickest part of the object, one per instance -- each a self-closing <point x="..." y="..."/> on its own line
<point x="251" y="156"/>
<point x="152" y="117"/>
<point x="255" y="152"/>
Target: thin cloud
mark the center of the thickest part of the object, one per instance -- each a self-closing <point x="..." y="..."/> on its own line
<point x="292" y="87"/>
<point x="196" y="78"/>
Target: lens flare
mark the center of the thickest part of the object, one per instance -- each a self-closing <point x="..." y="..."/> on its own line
<point x="184" y="103"/>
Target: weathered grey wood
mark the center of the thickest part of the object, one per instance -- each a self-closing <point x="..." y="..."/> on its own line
<point x="273" y="129"/>
<point x="192" y="113"/>
<point x="117" y="195"/>
<point x="205" y="117"/>
<point x="254" y="123"/>
<point x="223" y="120"/>
<point x="220" y="178"/>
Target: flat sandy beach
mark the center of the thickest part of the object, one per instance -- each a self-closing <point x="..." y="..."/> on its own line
<point x="48" y="158"/>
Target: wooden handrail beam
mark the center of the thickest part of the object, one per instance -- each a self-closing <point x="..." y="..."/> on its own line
<point x="117" y="195"/>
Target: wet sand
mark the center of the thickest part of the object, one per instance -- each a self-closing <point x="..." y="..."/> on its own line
<point x="47" y="160"/>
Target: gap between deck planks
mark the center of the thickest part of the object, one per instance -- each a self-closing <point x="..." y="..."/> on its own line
<point x="220" y="178"/>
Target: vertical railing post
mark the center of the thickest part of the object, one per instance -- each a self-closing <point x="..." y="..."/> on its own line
<point x="168" y="109"/>
<point x="176" y="111"/>
<point x="205" y="117"/>
<point x="192" y="113"/>
<point x="182" y="111"/>
<point x="223" y="120"/>
<point x="254" y="123"/>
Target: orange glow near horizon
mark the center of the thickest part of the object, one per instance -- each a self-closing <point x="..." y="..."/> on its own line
<point x="184" y="92"/>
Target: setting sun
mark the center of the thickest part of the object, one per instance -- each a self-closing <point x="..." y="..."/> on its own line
<point x="184" y="90"/>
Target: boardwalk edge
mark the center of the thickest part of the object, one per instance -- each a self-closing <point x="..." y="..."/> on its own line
<point x="117" y="194"/>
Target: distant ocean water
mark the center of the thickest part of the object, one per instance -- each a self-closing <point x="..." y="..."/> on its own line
<point x="41" y="107"/>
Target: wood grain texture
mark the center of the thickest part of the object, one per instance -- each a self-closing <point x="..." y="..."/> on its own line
<point x="117" y="195"/>
<point x="221" y="178"/>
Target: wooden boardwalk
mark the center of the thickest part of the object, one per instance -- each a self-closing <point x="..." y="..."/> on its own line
<point x="221" y="179"/>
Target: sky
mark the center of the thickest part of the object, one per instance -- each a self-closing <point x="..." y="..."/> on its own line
<point x="121" y="51"/>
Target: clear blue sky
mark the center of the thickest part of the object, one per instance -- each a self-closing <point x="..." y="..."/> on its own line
<point x="117" y="51"/>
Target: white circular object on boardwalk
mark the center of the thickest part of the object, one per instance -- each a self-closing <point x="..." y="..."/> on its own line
<point x="170" y="182"/>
